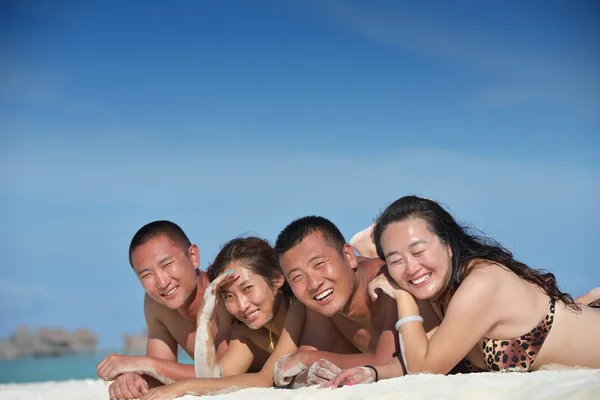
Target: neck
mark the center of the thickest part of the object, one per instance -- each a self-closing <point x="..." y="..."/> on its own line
<point x="358" y="307"/>
<point x="195" y="299"/>
<point x="276" y="323"/>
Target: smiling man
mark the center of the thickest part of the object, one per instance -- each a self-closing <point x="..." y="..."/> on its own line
<point x="326" y="275"/>
<point x="166" y="263"/>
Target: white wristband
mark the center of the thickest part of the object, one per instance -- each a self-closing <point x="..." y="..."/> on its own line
<point x="410" y="318"/>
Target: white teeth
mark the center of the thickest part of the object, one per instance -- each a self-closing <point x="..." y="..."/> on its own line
<point x="421" y="279"/>
<point x="170" y="292"/>
<point x="253" y="314"/>
<point x="326" y="293"/>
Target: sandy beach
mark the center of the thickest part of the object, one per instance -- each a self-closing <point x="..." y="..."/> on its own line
<point x="568" y="384"/>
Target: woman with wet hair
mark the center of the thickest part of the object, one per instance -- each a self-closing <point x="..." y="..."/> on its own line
<point x="498" y="314"/>
<point x="268" y="322"/>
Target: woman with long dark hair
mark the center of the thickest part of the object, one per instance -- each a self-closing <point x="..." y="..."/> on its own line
<point x="498" y="314"/>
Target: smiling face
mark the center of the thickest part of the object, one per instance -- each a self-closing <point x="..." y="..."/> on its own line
<point x="167" y="272"/>
<point x="320" y="277"/>
<point x="417" y="260"/>
<point x="250" y="298"/>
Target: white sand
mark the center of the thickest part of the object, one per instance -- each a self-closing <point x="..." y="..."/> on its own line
<point x="568" y="384"/>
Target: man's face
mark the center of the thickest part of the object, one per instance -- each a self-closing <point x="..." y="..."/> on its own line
<point x="319" y="275"/>
<point x="166" y="271"/>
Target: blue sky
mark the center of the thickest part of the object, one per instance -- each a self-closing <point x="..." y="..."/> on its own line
<point x="232" y="117"/>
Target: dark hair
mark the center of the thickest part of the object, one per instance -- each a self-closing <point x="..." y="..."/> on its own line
<point x="297" y="230"/>
<point x="257" y="256"/>
<point x="159" y="228"/>
<point x="467" y="246"/>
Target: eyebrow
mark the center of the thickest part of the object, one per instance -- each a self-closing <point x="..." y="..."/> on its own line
<point x="243" y="283"/>
<point x="293" y="270"/>
<point x="413" y="244"/>
<point x="420" y="241"/>
<point x="313" y="258"/>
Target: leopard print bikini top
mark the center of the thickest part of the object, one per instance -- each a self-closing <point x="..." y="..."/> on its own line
<point x="508" y="355"/>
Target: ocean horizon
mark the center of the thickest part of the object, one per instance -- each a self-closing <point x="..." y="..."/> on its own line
<point x="61" y="368"/>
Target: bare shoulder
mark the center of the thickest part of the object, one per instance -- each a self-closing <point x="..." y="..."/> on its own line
<point x="481" y="285"/>
<point x="153" y="310"/>
<point x="369" y="268"/>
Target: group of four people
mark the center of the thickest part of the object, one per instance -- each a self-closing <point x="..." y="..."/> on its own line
<point x="430" y="296"/>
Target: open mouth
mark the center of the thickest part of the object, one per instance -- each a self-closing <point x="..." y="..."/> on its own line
<point x="324" y="295"/>
<point x="252" y="316"/>
<point x="422" y="280"/>
<point x="170" y="292"/>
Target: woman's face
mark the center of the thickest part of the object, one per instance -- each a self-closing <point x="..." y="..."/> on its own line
<point x="417" y="260"/>
<point x="249" y="298"/>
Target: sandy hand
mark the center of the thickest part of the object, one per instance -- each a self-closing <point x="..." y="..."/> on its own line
<point x="321" y="372"/>
<point x="352" y="376"/>
<point x="286" y="368"/>
<point x="168" y="392"/>
<point x="128" y="386"/>
<point x="114" y="365"/>
<point x="210" y="295"/>
<point x="386" y="284"/>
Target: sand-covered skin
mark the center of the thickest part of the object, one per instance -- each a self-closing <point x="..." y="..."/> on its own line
<point x="559" y="385"/>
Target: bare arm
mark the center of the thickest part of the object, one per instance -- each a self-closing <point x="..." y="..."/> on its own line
<point x="288" y="342"/>
<point x="161" y="349"/>
<point x="319" y="341"/>
<point x="470" y="307"/>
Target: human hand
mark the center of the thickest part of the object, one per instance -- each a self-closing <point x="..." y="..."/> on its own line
<point x="288" y="367"/>
<point x="351" y="376"/>
<point x="167" y="392"/>
<point x="321" y="372"/>
<point x="386" y="284"/>
<point x="127" y="386"/>
<point x="114" y="365"/>
<point x="210" y="295"/>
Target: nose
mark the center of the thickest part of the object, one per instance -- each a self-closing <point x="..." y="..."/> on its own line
<point x="242" y="304"/>
<point x="162" y="279"/>
<point x="412" y="265"/>
<point x="313" y="281"/>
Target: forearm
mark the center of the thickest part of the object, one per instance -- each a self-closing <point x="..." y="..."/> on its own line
<point x="166" y="371"/>
<point x="203" y="386"/>
<point x="343" y="360"/>
<point x="413" y="339"/>
<point x="392" y="369"/>
<point x="205" y="357"/>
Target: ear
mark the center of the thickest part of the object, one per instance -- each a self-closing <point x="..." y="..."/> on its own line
<point x="278" y="282"/>
<point x="350" y="256"/>
<point x="449" y="250"/>
<point x="194" y="255"/>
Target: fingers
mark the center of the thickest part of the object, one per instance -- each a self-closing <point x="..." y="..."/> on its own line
<point x="103" y="366"/>
<point x="222" y="279"/>
<point x="324" y="369"/>
<point x="341" y="379"/>
<point x="116" y="394"/>
<point x="286" y="368"/>
<point x="132" y="386"/>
